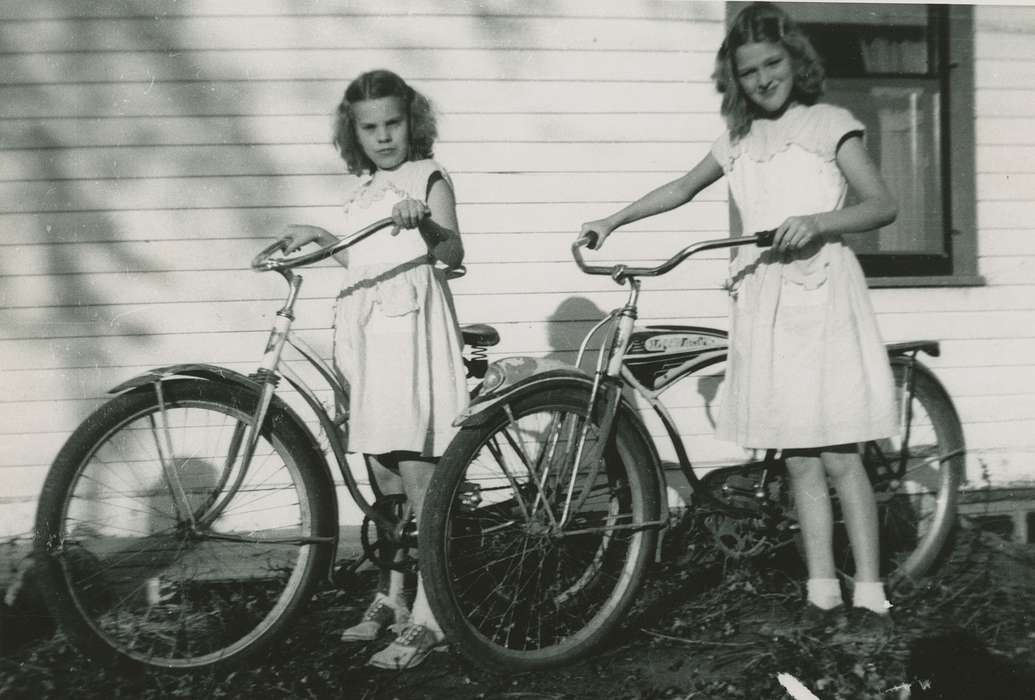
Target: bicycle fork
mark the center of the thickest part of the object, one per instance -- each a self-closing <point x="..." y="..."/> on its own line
<point x="245" y="437"/>
<point x="606" y="380"/>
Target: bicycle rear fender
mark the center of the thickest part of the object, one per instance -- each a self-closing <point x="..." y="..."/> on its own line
<point x="919" y="367"/>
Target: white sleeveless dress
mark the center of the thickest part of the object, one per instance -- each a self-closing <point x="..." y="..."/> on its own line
<point x="807" y="367"/>
<point x="396" y="339"/>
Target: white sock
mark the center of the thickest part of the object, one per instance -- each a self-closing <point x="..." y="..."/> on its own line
<point x="422" y="611"/>
<point x="824" y="593"/>
<point x="870" y="595"/>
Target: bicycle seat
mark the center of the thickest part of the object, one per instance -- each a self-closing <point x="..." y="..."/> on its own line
<point x="480" y="334"/>
<point x="931" y="347"/>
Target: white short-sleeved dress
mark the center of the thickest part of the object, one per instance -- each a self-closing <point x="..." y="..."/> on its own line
<point x="396" y="339"/>
<point x="807" y="367"/>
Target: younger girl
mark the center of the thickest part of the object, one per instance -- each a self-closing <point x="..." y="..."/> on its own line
<point x="396" y="338"/>
<point x="807" y="371"/>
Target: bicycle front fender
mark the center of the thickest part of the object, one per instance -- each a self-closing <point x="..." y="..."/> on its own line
<point x="513" y="378"/>
<point x="199" y="370"/>
<point x="279" y="409"/>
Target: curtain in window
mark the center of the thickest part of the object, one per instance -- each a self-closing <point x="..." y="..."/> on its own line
<point x="905" y="119"/>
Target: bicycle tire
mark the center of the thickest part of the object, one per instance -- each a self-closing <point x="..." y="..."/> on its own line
<point x="122" y="571"/>
<point x="510" y="594"/>
<point x="917" y="510"/>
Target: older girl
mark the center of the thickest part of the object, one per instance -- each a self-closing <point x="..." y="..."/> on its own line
<point x="807" y="371"/>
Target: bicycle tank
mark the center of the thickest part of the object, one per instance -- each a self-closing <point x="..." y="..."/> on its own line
<point x="659" y="354"/>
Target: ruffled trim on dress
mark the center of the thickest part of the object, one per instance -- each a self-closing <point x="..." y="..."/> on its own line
<point x="366" y="194"/>
<point x="816" y="128"/>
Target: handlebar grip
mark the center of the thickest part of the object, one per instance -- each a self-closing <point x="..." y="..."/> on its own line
<point x="457" y="272"/>
<point x="260" y="260"/>
<point x="591" y="240"/>
<point x="764" y="239"/>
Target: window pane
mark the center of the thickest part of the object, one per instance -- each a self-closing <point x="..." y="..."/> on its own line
<point x="902" y="135"/>
<point x="854" y="50"/>
<point x="874" y="14"/>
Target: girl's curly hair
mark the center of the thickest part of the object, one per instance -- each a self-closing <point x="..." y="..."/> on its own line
<point x="371" y="86"/>
<point x="756" y="23"/>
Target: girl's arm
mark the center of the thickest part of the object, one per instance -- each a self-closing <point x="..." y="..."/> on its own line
<point x="664" y="198"/>
<point x="876" y="206"/>
<point x="435" y="220"/>
<point x="440" y="228"/>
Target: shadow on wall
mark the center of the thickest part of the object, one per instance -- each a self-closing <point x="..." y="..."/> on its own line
<point x="568" y="325"/>
<point x="79" y="115"/>
<point x="103" y="162"/>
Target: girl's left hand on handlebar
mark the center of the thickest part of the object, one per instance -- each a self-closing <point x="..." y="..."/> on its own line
<point x="408" y="214"/>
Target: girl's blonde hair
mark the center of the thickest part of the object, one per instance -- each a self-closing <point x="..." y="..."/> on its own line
<point x="371" y="86"/>
<point x="756" y="23"/>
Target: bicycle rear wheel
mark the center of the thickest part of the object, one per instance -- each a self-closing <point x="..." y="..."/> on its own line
<point x="514" y="590"/>
<point x="916" y="476"/>
<point x="125" y="572"/>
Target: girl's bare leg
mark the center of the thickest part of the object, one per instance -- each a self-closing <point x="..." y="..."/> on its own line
<point x="390" y="586"/>
<point x="423" y="635"/>
<point x="416" y="476"/>
<point x="845" y="469"/>
<point x="388" y="483"/>
<point x="815" y="515"/>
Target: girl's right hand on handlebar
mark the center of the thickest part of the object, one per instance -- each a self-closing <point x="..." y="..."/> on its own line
<point x="408" y="213"/>
<point x="597" y="232"/>
<point x="298" y="235"/>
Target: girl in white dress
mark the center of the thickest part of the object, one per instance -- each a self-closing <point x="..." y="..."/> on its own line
<point x="807" y="372"/>
<point x="396" y="339"/>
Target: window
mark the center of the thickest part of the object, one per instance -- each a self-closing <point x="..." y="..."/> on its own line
<point x="906" y="72"/>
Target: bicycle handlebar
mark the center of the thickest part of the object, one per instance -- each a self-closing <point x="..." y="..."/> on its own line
<point x="264" y="263"/>
<point x="622" y="272"/>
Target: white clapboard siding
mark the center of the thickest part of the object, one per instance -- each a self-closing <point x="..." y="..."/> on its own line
<point x="149" y="149"/>
<point x="311" y="133"/>
<point x="418" y="64"/>
<point x="97" y="9"/>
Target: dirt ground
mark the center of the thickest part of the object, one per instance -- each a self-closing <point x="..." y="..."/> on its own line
<point x="967" y="632"/>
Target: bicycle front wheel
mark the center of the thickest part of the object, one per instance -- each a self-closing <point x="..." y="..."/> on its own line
<point x="520" y="574"/>
<point x="137" y="575"/>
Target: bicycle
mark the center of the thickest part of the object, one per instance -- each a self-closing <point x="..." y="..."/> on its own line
<point x="545" y="512"/>
<point x="187" y="520"/>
